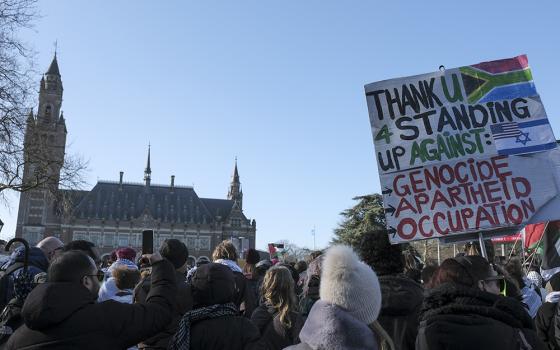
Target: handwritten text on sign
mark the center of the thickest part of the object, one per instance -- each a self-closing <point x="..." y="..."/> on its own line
<point x="464" y="196"/>
<point x="448" y="148"/>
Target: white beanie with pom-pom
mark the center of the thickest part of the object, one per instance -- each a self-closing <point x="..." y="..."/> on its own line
<point x="351" y="284"/>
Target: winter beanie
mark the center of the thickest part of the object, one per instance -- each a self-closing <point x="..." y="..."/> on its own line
<point x="126" y="253"/>
<point x="351" y="284"/>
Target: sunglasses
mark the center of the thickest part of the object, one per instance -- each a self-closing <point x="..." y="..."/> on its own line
<point x="466" y="263"/>
<point x="100" y="275"/>
<point x="501" y="283"/>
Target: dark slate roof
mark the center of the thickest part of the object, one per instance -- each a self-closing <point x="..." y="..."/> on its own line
<point x="69" y="199"/>
<point x="218" y="207"/>
<point x="53" y="68"/>
<point x="111" y="201"/>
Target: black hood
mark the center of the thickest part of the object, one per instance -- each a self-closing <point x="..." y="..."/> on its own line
<point x="51" y="303"/>
<point x="452" y="299"/>
<point x="400" y="295"/>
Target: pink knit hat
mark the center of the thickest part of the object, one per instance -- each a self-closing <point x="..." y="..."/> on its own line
<point x="126" y="253"/>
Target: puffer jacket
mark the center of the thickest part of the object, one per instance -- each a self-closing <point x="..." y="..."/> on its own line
<point x="457" y="317"/>
<point x="329" y="327"/>
<point x="401" y="300"/>
<point x="64" y="315"/>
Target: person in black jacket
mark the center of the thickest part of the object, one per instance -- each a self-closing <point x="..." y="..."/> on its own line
<point x="277" y="318"/>
<point x="544" y="322"/>
<point x="252" y="258"/>
<point x="177" y="253"/>
<point x="214" y="323"/>
<point x="226" y="254"/>
<point x="401" y="296"/>
<point x="465" y="310"/>
<point x="62" y="313"/>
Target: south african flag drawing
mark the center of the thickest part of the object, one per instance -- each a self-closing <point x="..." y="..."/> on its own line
<point x="498" y="80"/>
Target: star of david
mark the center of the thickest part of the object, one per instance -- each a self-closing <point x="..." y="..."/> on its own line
<point x="523" y="138"/>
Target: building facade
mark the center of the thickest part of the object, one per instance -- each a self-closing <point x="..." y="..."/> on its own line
<point x="114" y="213"/>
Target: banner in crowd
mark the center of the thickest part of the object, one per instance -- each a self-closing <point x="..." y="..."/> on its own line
<point x="530" y="236"/>
<point x="464" y="150"/>
<point x="551" y="250"/>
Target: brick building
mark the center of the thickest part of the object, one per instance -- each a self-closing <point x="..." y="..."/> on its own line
<point x="114" y="213"/>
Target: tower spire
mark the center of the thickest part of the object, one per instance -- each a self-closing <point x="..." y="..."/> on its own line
<point x="148" y="170"/>
<point x="235" y="177"/>
<point x="53" y="68"/>
<point x="235" y="192"/>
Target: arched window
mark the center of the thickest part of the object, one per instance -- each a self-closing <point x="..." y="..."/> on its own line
<point x="48" y="112"/>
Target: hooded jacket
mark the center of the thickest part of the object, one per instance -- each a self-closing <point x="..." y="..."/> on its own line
<point x="243" y="297"/>
<point x="182" y="303"/>
<point x="456" y="317"/>
<point x="329" y="327"/>
<point x="37" y="263"/>
<point x="401" y="300"/>
<point x="215" y="284"/>
<point x="65" y="316"/>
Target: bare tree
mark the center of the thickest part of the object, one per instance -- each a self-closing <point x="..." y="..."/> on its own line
<point x="27" y="161"/>
<point x="292" y="252"/>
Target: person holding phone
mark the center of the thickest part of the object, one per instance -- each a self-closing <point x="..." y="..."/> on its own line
<point x="63" y="314"/>
<point x="177" y="253"/>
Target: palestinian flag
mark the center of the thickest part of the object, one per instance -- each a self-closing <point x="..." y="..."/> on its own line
<point x="533" y="234"/>
<point x="551" y="250"/>
<point x="530" y="234"/>
<point x="272" y="251"/>
<point x="498" y="80"/>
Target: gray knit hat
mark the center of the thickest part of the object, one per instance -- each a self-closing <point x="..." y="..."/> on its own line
<point x="351" y="284"/>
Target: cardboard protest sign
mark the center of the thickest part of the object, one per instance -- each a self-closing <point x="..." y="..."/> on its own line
<point x="464" y="150"/>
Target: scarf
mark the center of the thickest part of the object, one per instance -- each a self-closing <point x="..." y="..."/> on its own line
<point x="182" y="338"/>
<point x="229" y="263"/>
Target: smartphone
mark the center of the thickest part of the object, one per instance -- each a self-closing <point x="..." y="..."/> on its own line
<point x="148" y="242"/>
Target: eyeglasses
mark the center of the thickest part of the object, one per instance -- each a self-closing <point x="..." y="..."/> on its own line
<point x="100" y="275"/>
<point x="501" y="282"/>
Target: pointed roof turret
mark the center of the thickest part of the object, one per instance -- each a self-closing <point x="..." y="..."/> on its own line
<point x="234" y="192"/>
<point x="235" y="176"/>
<point x="30" y="118"/>
<point x="148" y="170"/>
<point x="53" y="68"/>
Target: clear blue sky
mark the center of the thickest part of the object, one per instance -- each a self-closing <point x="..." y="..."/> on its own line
<point x="279" y="84"/>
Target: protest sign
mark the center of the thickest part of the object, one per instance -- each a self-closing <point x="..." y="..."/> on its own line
<point x="464" y="150"/>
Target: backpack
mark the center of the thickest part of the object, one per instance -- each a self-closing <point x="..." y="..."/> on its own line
<point x="5" y="282"/>
<point x="10" y="320"/>
<point x="10" y="317"/>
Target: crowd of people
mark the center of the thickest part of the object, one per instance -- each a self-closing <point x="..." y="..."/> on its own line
<point x="379" y="296"/>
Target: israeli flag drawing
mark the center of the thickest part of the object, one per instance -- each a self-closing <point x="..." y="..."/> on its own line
<point x="525" y="137"/>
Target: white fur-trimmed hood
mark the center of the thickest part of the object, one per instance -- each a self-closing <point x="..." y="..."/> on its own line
<point x="330" y="327"/>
